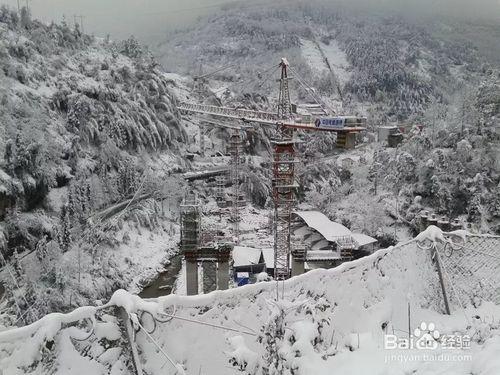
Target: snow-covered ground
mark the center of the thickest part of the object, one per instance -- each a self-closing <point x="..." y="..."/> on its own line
<point x="147" y="252"/>
<point x="338" y="61"/>
<point x="313" y="56"/>
<point x="336" y="57"/>
<point x="340" y="320"/>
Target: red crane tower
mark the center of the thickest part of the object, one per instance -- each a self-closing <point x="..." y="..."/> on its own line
<point x="283" y="183"/>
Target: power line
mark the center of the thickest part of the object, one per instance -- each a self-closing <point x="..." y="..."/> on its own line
<point x="208" y="324"/>
<point x="157" y="345"/>
<point x="311" y="92"/>
<point x="248" y="80"/>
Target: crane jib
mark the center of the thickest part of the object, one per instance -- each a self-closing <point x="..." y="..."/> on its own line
<point x="269" y="118"/>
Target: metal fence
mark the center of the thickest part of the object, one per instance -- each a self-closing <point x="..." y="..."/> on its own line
<point x="471" y="272"/>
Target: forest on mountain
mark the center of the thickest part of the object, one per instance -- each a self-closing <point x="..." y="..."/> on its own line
<point x="83" y="121"/>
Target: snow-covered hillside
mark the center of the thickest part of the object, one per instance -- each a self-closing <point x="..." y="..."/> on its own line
<point x="325" y="320"/>
<point x="95" y="159"/>
<point x="86" y="125"/>
<point x="394" y="66"/>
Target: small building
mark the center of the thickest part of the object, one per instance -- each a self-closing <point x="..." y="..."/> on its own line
<point x="253" y="262"/>
<point x="365" y="242"/>
<point x="268" y="254"/>
<point x="242" y="278"/>
<point x="383" y="132"/>
<point x="248" y="259"/>
<point x="327" y="243"/>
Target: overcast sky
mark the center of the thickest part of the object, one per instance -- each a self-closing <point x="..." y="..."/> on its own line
<point x="149" y="19"/>
<point x="122" y="18"/>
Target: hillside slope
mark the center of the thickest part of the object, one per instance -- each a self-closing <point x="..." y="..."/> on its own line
<point x="394" y="66"/>
<point x="86" y="125"/>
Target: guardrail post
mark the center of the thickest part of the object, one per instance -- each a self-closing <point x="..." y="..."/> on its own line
<point x="435" y="255"/>
<point x="130" y="334"/>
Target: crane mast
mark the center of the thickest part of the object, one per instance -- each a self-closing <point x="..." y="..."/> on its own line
<point x="283" y="184"/>
<point x="284" y="102"/>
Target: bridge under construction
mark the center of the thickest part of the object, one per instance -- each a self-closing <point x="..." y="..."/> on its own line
<point x="284" y="161"/>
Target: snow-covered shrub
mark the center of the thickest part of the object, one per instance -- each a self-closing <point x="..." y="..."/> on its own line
<point x="131" y="48"/>
<point x="241" y="357"/>
<point x="293" y="333"/>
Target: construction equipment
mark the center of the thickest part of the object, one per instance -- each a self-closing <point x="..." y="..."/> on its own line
<point x="235" y="149"/>
<point x="284" y="161"/>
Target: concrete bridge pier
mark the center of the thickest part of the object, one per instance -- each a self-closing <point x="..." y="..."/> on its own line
<point x="191" y="277"/>
<point x="223" y="275"/>
<point x="298" y="266"/>
<point x="298" y="257"/>
<point x="209" y="275"/>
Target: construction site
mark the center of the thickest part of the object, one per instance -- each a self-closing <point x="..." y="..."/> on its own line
<point x="292" y="241"/>
<point x="289" y="255"/>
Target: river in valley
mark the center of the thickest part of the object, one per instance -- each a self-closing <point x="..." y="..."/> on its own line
<point x="164" y="282"/>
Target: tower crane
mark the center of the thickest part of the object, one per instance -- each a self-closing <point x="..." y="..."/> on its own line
<point x="284" y="161"/>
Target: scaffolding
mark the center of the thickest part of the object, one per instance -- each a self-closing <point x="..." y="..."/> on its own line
<point x="202" y="138"/>
<point x="190" y="223"/>
<point x="284" y="187"/>
<point x="220" y="184"/>
<point x="237" y="199"/>
<point x="207" y="247"/>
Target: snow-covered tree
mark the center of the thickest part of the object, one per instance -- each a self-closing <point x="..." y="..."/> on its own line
<point x="64" y="235"/>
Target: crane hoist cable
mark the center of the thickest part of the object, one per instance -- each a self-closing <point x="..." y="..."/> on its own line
<point x="206" y="75"/>
<point x="265" y="79"/>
